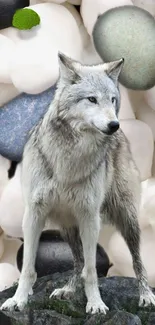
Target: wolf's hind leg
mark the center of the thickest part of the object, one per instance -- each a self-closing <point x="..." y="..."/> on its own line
<point x="33" y="223"/>
<point x="72" y="236"/>
<point x="126" y="222"/>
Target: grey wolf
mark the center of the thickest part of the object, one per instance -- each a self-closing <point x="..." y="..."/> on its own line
<point x="77" y="169"/>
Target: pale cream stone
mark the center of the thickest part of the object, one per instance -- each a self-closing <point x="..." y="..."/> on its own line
<point x="141" y="142"/>
<point x="8" y="275"/>
<point x="12" y="207"/>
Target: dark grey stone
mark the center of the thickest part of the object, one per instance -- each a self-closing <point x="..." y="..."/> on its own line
<point x="125" y="318"/>
<point x="115" y="318"/>
<point x="151" y="319"/>
<point x="40" y="317"/>
<point x="4" y="320"/>
<point x="119" y="293"/>
<point x="17" y="118"/>
<point x="54" y="255"/>
<point x="7" y="10"/>
<point x="51" y="317"/>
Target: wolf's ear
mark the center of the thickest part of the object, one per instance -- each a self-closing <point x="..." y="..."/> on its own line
<point x="68" y="68"/>
<point x="113" y="69"/>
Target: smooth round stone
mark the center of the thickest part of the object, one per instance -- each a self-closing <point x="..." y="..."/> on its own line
<point x="146" y="114"/>
<point x="4" y="168"/>
<point x="7" y="10"/>
<point x="141" y="142"/>
<point x="7" y="46"/>
<point x="8" y="275"/>
<point x="54" y="255"/>
<point x="149" y="96"/>
<point x="128" y="32"/>
<point x="17" y="118"/>
<point x="12" y="206"/>
<point x="34" y="62"/>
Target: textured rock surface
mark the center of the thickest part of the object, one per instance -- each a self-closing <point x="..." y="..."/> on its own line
<point x="17" y="118"/>
<point x="120" y="294"/>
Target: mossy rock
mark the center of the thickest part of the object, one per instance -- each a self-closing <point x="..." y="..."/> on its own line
<point x="120" y="294"/>
<point x="26" y="18"/>
<point x="65" y="307"/>
<point x="128" y="32"/>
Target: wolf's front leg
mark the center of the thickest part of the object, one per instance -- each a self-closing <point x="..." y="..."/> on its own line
<point x="89" y="231"/>
<point x="33" y="223"/>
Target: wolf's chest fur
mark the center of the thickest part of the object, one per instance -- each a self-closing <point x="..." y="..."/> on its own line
<point x="74" y="156"/>
<point x="78" y="168"/>
<point x="72" y="199"/>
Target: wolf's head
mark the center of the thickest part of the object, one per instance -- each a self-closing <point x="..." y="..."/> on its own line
<point x="90" y="94"/>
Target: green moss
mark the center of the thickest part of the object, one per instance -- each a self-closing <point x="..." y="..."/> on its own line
<point x="61" y="306"/>
<point x="25" y="19"/>
<point x="132" y="307"/>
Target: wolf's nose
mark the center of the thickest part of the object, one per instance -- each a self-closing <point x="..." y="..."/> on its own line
<point x="113" y="126"/>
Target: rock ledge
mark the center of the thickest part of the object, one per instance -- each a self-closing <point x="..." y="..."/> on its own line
<point x="119" y="293"/>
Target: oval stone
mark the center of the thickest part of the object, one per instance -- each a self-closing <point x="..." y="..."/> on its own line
<point x="17" y="118"/>
<point x="54" y="255"/>
<point x="128" y="32"/>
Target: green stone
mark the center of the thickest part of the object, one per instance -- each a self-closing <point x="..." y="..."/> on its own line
<point x="128" y="32"/>
<point x="25" y="19"/>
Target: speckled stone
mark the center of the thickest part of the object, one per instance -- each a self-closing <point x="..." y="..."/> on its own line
<point x="128" y="32"/>
<point x="17" y="119"/>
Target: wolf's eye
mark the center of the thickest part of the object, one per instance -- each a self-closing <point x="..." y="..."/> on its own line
<point x="113" y="99"/>
<point x="92" y="100"/>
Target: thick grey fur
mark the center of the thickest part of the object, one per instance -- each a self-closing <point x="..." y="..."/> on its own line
<point x="76" y="171"/>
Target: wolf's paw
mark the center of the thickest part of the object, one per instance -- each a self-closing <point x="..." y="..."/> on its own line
<point x="62" y="293"/>
<point x="12" y="304"/>
<point x="147" y="298"/>
<point x="95" y="307"/>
